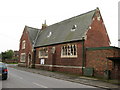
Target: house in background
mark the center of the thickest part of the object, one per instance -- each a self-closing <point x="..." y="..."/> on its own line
<point x="16" y="55"/>
<point x="77" y="45"/>
<point x="14" y="58"/>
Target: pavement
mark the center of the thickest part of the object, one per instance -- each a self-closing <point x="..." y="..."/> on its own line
<point x="72" y="78"/>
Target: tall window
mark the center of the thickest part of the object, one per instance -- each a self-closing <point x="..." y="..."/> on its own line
<point x="23" y="44"/>
<point x="69" y="50"/>
<point x="22" y="57"/>
<point x="43" y="53"/>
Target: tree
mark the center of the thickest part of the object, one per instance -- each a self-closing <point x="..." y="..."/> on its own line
<point x="0" y="57"/>
<point x="7" y="54"/>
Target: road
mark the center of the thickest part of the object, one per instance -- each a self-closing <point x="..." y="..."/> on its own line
<point x="23" y="79"/>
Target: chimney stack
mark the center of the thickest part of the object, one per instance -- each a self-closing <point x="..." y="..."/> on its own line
<point x="44" y="25"/>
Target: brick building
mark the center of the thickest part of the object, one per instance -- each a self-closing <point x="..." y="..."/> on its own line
<point x="26" y="50"/>
<point x="104" y="58"/>
<point x="74" y="45"/>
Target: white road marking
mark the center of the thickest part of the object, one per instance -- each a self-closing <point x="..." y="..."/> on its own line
<point x="40" y="85"/>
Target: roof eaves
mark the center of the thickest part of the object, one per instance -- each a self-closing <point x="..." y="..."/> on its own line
<point x="102" y="48"/>
<point x="57" y="43"/>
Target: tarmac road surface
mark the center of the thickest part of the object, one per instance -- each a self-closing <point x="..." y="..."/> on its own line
<point x="23" y="79"/>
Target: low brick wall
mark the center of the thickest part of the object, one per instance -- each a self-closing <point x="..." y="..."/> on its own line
<point x="60" y="68"/>
<point x="22" y="64"/>
<point x="11" y="61"/>
<point x="77" y="71"/>
<point x="43" y="67"/>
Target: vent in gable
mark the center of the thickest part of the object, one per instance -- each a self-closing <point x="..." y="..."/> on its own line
<point x="89" y="27"/>
<point x="98" y="18"/>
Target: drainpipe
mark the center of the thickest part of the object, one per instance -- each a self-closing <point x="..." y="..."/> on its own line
<point x="83" y="55"/>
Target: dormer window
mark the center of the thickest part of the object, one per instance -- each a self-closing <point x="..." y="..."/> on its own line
<point x="74" y="28"/>
<point x="23" y="44"/>
<point x="50" y="33"/>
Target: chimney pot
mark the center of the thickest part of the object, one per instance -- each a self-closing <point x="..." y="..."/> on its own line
<point x="44" y="25"/>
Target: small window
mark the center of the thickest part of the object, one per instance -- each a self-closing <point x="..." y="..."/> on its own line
<point x="69" y="50"/>
<point x="22" y="57"/>
<point x="43" y="53"/>
<point x="23" y="44"/>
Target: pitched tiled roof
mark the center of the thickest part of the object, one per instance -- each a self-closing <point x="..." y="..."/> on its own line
<point x="68" y="30"/>
<point x="32" y="32"/>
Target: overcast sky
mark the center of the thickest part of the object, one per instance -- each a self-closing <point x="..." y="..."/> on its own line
<point x="15" y="14"/>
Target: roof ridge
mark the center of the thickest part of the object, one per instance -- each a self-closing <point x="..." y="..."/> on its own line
<point x="31" y="27"/>
<point x="72" y="17"/>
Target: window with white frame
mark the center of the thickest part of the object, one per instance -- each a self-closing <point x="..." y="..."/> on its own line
<point x="23" y="44"/>
<point x="43" y="53"/>
<point x="22" y="57"/>
<point x="69" y="50"/>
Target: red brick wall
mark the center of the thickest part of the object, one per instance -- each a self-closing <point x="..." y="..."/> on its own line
<point x="55" y="59"/>
<point x="28" y="46"/>
<point x="69" y="61"/>
<point x="97" y="34"/>
<point x="11" y="61"/>
<point x="97" y="59"/>
<point x="68" y="70"/>
<point x="116" y="65"/>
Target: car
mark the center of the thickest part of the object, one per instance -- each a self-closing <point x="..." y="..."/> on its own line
<point x="3" y="71"/>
